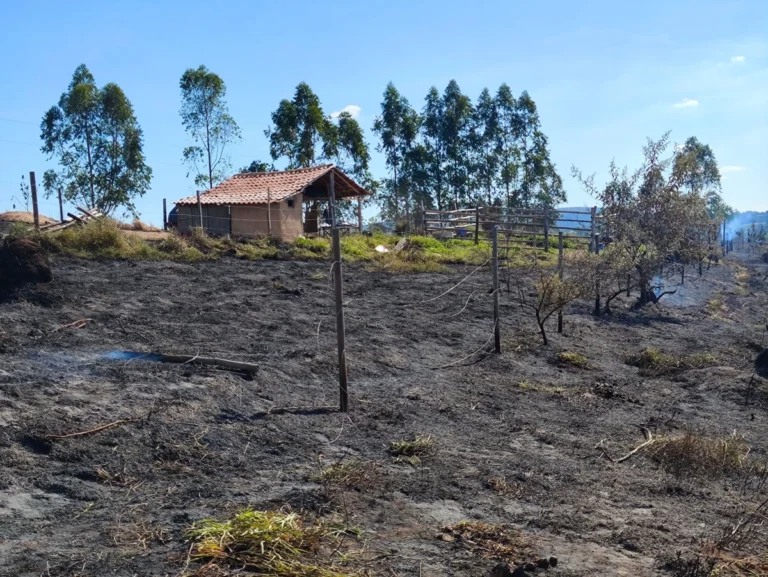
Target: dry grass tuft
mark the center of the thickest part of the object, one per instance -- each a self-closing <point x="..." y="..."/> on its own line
<point x="502" y="487"/>
<point x="354" y="475"/>
<point x="573" y="359"/>
<point x="267" y="543"/>
<point x="654" y="362"/>
<point x="691" y="455"/>
<point x="498" y="542"/>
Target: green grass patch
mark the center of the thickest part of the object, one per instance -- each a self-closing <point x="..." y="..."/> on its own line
<point x="654" y="362"/>
<point x="268" y="543"/>
<point x="105" y="238"/>
<point x="572" y="359"/>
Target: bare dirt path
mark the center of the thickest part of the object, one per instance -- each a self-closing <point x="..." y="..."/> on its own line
<point x="205" y="442"/>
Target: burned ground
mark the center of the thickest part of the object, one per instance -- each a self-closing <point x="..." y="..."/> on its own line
<point x="519" y="438"/>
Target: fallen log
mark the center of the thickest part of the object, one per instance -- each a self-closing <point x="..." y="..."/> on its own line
<point x="186" y="359"/>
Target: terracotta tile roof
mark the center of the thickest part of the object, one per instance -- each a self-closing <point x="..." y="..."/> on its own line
<point x="256" y="187"/>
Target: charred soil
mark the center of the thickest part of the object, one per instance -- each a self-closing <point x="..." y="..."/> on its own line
<point x="518" y="439"/>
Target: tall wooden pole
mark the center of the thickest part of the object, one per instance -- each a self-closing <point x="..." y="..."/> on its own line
<point x="61" y="206"/>
<point x="165" y="216"/>
<point x="33" y="187"/>
<point x="560" y="274"/>
<point x="546" y="229"/>
<point x="477" y="224"/>
<point x="200" y="208"/>
<point x="596" y="240"/>
<point x="495" y="266"/>
<point x="338" y="280"/>
<point x="360" y="214"/>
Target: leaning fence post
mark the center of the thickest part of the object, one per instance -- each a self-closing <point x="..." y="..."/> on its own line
<point x="596" y="240"/>
<point x="546" y="229"/>
<point x="33" y="188"/>
<point x="477" y="224"/>
<point x="199" y="208"/>
<point x="495" y="267"/>
<point x="61" y="206"/>
<point x="560" y="274"/>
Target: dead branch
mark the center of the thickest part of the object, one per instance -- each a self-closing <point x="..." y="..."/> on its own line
<point x="78" y="324"/>
<point x="95" y="429"/>
<point x="641" y="446"/>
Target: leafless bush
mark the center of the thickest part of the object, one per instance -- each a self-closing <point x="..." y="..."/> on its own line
<point x="553" y="293"/>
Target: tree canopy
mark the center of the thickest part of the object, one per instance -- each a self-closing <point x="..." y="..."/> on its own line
<point x="95" y="137"/>
<point x="456" y="154"/>
<point x="206" y="118"/>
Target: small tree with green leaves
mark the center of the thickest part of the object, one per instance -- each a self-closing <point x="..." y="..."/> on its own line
<point x="206" y="118"/>
<point x="649" y="213"/>
<point x="95" y="137"/>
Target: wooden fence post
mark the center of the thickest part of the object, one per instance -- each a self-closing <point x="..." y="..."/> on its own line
<point x="165" y="216"/>
<point x="560" y="273"/>
<point x="593" y="219"/>
<point x="339" y="297"/>
<point x="360" y="214"/>
<point x="33" y="188"/>
<point x="269" y="212"/>
<point x="546" y="229"/>
<point x="61" y="206"/>
<point x="477" y="224"/>
<point x="495" y="266"/>
<point x="596" y="240"/>
<point x="199" y="207"/>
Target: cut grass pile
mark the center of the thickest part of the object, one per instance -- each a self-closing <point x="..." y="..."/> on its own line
<point x="653" y="362"/>
<point x="354" y="474"/>
<point x="497" y="542"/>
<point x="569" y="358"/>
<point x="412" y="451"/>
<point x="268" y="543"/>
<point x="691" y="455"/>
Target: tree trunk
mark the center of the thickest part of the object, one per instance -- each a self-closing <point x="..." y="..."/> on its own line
<point x="541" y="328"/>
<point x="90" y="167"/>
<point x="208" y="149"/>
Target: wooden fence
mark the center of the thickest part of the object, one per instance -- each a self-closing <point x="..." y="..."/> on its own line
<point x="532" y="227"/>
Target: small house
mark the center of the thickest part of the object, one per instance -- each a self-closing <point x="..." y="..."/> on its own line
<point x="284" y="204"/>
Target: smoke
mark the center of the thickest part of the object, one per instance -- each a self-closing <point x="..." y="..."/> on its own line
<point x="741" y="226"/>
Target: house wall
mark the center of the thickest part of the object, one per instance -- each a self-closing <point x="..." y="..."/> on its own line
<point x="253" y="220"/>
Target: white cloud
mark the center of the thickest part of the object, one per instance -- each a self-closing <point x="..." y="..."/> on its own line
<point x="353" y="110"/>
<point x="687" y="103"/>
<point x="737" y="59"/>
<point x="732" y="168"/>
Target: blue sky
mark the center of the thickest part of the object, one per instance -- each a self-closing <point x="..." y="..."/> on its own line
<point x="604" y="74"/>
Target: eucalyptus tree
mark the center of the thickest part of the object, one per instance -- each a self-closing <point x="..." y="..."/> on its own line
<point x="205" y="116"/>
<point x="301" y="132"/>
<point x="457" y="122"/>
<point x="485" y="134"/>
<point x="397" y="128"/>
<point x="98" y="143"/>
